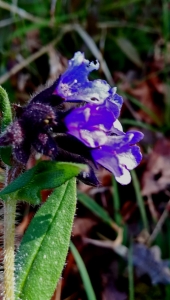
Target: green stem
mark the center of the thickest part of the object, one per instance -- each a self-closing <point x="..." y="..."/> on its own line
<point x="9" y="241"/>
<point x="130" y="271"/>
<point x="9" y="207"/>
<point x="9" y="238"/>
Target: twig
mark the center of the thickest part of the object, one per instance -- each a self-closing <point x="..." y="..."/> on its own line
<point x="21" y="12"/>
<point x="24" y="63"/>
<point x="118" y="248"/>
<point x="6" y="22"/>
<point x="134" y="114"/>
<point x="152" y="208"/>
<point x="31" y="58"/>
<point x="87" y="39"/>
<point x="53" y="7"/>
<point x="159" y="224"/>
<point x="118" y="24"/>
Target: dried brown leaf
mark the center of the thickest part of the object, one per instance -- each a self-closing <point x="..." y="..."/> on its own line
<point x="82" y="226"/>
<point x="156" y="178"/>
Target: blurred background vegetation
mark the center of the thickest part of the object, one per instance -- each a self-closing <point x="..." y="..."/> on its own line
<point x="122" y="232"/>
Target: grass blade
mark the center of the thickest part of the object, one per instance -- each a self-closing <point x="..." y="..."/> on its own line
<point x="83" y="272"/>
<point x="129" y="50"/>
<point x="138" y="124"/>
<point x="139" y="200"/>
<point x="130" y="273"/>
<point x="95" y="208"/>
<point x="152" y="115"/>
<point x="116" y="202"/>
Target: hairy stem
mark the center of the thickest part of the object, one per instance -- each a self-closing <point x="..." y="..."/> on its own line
<point x="9" y="237"/>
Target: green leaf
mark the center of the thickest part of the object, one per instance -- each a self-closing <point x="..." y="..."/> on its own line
<point x="83" y="272"/>
<point x="43" y="250"/>
<point x="45" y="175"/>
<point x="5" y="108"/>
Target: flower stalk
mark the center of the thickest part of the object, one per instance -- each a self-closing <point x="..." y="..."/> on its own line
<point x="9" y="242"/>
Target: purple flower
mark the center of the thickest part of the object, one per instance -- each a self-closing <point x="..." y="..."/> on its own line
<point x="90" y="133"/>
<point x="90" y="124"/>
<point x="96" y="127"/>
<point x="74" y="85"/>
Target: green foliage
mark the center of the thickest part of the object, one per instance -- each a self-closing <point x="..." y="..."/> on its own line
<point x="145" y="292"/>
<point x="152" y="115"/>
<point x="130" y="273"/>
<point x="138" y="124"/>
<point x="139" y="200"/>
<point x="5" y="108"/>
<point x="116" y="202"/>
<point x="45" y="175"/>
<point x="95" y="208"/>
<point x="83" y="272"/>
<point x="42" y="252"/>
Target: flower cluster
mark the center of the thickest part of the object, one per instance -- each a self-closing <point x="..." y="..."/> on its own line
<point x="89" y="133"/>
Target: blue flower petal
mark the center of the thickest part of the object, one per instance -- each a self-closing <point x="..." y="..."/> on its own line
<point x="118" y="155"/>
<point x="105" y="157"/>
<point x="75" y="86"/>
<point x="90" y="124"/>
<point x="114" y="102"/>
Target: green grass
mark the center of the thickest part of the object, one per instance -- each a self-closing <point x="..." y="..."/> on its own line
<point x="83" y="272"/>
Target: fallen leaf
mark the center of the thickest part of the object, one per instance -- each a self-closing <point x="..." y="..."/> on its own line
<point x="57" y="62"/>
<point x="156" y="178"/>
<point x="148" y="261"/>
<point x="82" y="226"/>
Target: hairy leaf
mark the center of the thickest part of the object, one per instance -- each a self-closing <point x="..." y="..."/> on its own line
<point x="43" y="250"/>
<point x="5" y="109"/>
<point x="45" y="175"/>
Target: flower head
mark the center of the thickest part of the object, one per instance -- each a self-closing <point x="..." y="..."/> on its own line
<point x="90" y="133"/>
